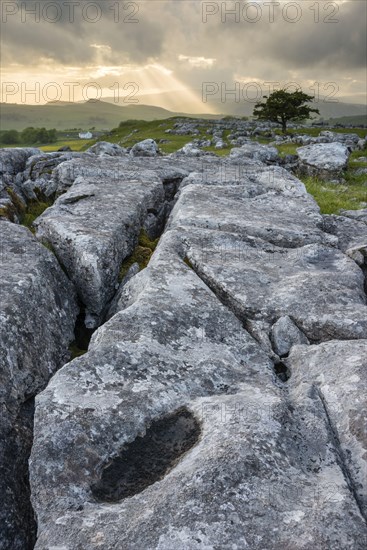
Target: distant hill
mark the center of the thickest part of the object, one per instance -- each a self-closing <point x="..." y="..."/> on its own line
<point x="356" y="121"/>
<point x="327" y="110"/>
<point x="63" y="115"/>
<point x="104" y="115"/>
<point x="175" y="100"/>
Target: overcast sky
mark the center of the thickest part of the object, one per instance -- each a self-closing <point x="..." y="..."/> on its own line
<point x="156" y="46"/>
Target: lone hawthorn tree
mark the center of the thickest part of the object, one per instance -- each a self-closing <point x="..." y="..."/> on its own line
<point x="282" y="106"/>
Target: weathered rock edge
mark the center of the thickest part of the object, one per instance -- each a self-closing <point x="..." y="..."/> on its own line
<point x="38" y="311"/>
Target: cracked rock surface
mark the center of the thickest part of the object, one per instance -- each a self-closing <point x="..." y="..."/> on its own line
<point x="94" y="226"/>
<point x="38" y="311"/>
<point x="175" y="429"/>
<point x="337" y="371"/>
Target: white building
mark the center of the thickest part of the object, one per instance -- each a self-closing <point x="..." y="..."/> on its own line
<point x="85" y="135"/>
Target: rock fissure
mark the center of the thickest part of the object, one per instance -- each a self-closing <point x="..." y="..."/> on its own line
<point x="280" y="369"/>
<point x="221" y="295"/>
<point x="340" y="455"/>
<point x="18" y="531"/>
<point x="38" y="311"/>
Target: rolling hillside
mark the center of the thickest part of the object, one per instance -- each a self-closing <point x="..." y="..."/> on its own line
<point x="62" y="115"/>
<point x="103" y="115"/>
<point x="328" y="109"/>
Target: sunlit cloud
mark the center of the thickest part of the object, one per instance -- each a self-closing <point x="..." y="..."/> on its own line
<point x="197" y="61"/>
<point x="170" y="52"/>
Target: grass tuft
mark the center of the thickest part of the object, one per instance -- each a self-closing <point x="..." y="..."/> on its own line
<point x="141" y="254"/>
<point x="332" y="197"/>
<point x="187" y="262"/>
<point x="75" y="351"/>
<point x="33" y="210"/>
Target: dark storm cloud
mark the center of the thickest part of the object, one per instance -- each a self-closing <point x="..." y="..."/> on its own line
<point x="132" y="35"/>
<point x="299" y="44"/>
<point x="167" y="29"/>
<point x="342" y="44"/>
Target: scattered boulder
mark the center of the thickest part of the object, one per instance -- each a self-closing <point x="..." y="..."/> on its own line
<point x="106" y="148"/>
<point x="257" y="151"/>
<point x="145" y="148"/>
<point x="191" y="150"/>
<point x="184" y="129"/>
<point x="219" y="144"/>
<point x="324" y="159"/>
<point x="349" y="140"/>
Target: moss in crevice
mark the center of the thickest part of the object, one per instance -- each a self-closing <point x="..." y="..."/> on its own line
<point x="188" y="263"/>
<point x="146" y="242"/>
<point x="140" y="255"/>
<point x="26" y="213"/>
<point x="19" y="205"/>
<point x="33" y="211"/>
<point x="9" y="212"/>
<point x="75" y="351"/>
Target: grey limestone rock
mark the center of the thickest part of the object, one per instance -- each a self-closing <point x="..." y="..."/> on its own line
<point x="351" y="233"/>
<point x="285" y="334"/>
<point x="324" y="158"/>
<point x="219" y="404"/>
<point x="106" y="148"/>
<point x="257" y="151"/>
<point x="260" y="470"/>
<point x="336" y="372"/>
<point x="94" y="226"/>
<point x="13" y="160"/>
<point x="145" y="148"/>
<point x="359" y="215"/>
<point x="38" y="312"/>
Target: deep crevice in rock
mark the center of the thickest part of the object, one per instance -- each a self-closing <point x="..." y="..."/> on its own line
<point x="17" y="518"/>
<point x="147" y="240"/>
<point x="282" y="371"/>
<point x="149" y="457"/>
<point x="82" y="335"/>
<point x="340" y="455"/>
<point x="224" y="299"/>
<point x="140" y="255"/>
<point x="364" y="271"/>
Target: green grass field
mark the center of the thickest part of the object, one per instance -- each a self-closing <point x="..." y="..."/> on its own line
<point x="74" y="144"/>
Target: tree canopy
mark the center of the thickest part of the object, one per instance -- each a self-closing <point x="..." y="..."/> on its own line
<point x="282" y="107"/>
